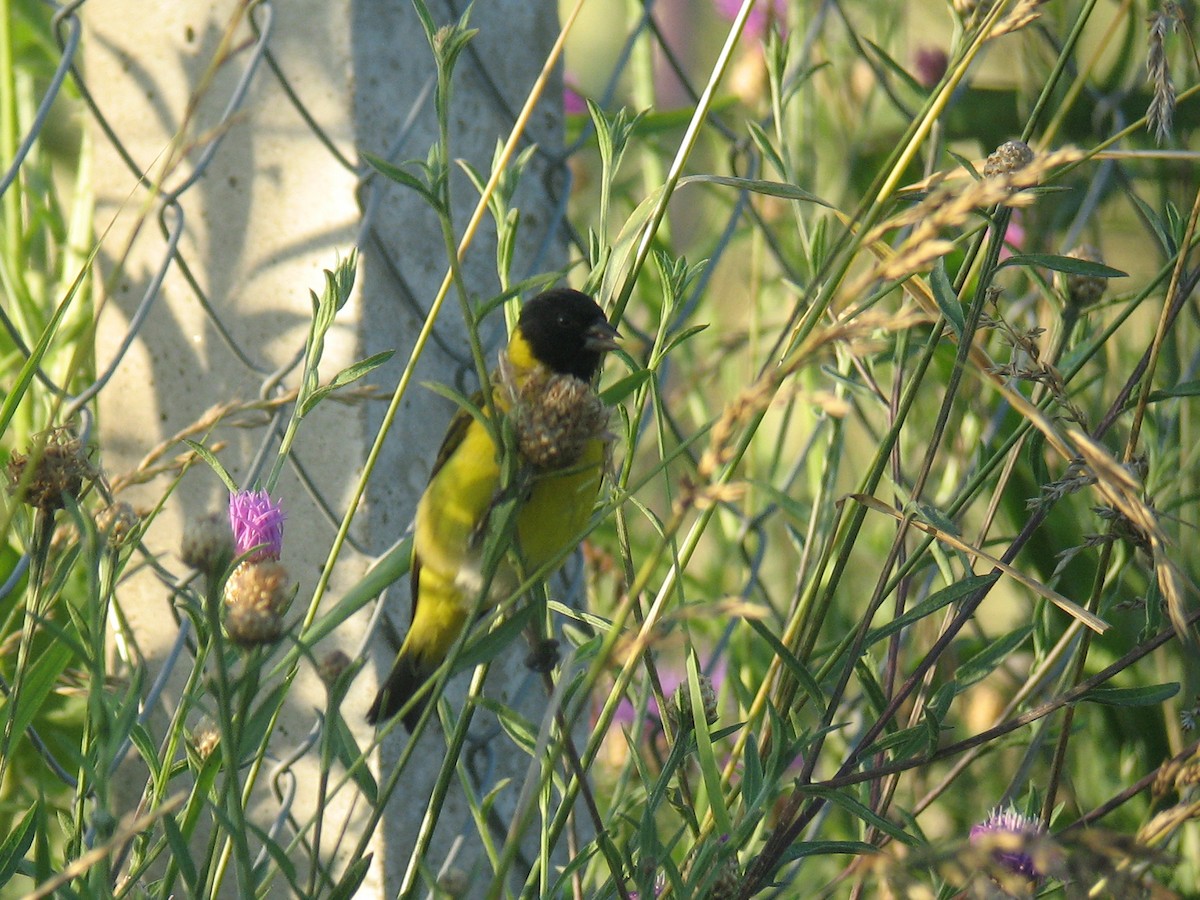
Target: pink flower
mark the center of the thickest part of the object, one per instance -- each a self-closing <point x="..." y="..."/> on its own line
<point x="256" y="522"/>
<point x="1014" y="236"/>
<point x="573" y="102"/>
<point x="756" y="23"/>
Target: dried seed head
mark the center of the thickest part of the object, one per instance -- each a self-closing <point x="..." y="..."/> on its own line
<point x="207" y="543"/>
<point x="257" y="595"/>
<point x="117" y="521"/>
<point x="1084" y="290"/>
<point x="205" y="739"/>
<point x="43" y="481"/>
<point x="556" y="417"/>
<point x="1007" y="158"/>
<point x="332" y="665"/>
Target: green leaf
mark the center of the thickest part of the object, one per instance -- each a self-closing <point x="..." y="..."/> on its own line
<point x="1068" y="264"/>
<point x="907" y="742"/>
<point x="348" y="375"/>
<point x="283" y="862"/>
<point x="947" y="300"/>
<point x="757" y="186"/>
<point x="148" y="749"/>
<point x="387" y="570"/>
<point x="350" y="755"/>
<point x="1150" y="695"/>
<point x="709" y="770"/>
<point x="30" y="367"/>
<point x="983" y="662"/>
<point x="18" y="842"/>
<point x="1165" y="241"/>
<point x="491" y="644"/>
<point x="1183" y="389"/>
<point x="896" y="69"/>
<point x="944" y="597"/>
<point x="182" y="854"/>
<point x="859" y="810"/>
<point x="348" y="887"/>
<point x="937" y="519"/>
<point x="752" y="774"/>
<point x="967" y="165"/>
<point x="40" y="678"/>
<point x="822" y="848"/>
<point x="213" y="463"/>
<point x="794" y="666"/>
<point x="619" y="390"/>
<point x="401" y="176"/>
<point x="682" y="335"/>
<point x="765" y="147"/>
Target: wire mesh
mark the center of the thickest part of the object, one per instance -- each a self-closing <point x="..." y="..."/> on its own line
<point x="258" y="56"/>
<point x="255" y="50"/>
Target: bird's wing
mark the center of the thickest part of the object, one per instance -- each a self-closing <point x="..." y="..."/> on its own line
<point x="456" y="431"/>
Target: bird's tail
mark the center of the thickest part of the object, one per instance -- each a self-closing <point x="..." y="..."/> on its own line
<point x="435" y="627"/>
<point x="408" y="674"/>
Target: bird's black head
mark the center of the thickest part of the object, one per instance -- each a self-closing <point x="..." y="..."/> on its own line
<point x="567" y="332"/>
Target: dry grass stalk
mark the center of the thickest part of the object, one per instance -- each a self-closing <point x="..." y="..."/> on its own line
<point x="949" y="207"/>
<point x="1023" y="13"/>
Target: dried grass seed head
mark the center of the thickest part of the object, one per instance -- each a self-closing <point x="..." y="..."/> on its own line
<point x="1160" y="116"/>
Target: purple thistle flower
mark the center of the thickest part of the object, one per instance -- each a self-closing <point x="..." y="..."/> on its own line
<point x="1019" y="830"/>
<point x="256" y="522"/>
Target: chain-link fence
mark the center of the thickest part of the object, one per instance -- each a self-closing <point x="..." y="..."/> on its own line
<point x="178" y="181"/>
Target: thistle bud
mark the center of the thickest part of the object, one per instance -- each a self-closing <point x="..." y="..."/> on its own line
<point x="680" y="708"/>
<point x="728" y="881"/>
<point x="1084" y="290"/>
<point x="207" y="543"/>
<point x="1007" y="158"/>
<point x="331" y="667"/>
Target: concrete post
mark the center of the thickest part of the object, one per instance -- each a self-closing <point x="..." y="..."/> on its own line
<point x="259" y="206"/>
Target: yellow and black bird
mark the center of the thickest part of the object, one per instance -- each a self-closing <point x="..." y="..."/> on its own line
<point x="543" y="385"/>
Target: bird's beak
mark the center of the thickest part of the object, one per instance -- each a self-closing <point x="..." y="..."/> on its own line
<point x="601" y="337"/>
